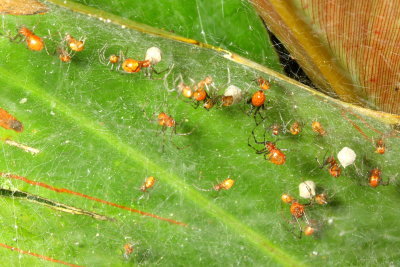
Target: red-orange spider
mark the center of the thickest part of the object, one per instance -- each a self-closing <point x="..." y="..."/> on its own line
<point x="74" y="44"/>
<point x="207" y="81"/>
<point x="270" y="151"/>
<point x="128" y="250"/>
<point x="380" y="147"/>
<point x="258" y="99"/>
<point x="257" y="102"/>
<point x="263" y="84"/>
<point x="375" y="178"/>
<point x="295" y="128"/>
<point x="227" y="100"/>
<point x="34" y="42"/>
<point x="63" y="55"/>
<point x="317" y="127"/>
<point x="334" y="168"/>
<point x="185" y="90"/>
<point x="321" y="199"/>
<point x="298" y="211"/>
<point x="275" y="129"/>
<point x="148" y="183"/>
<point x="131" y="65"/>
<point x="225" y="185"/>
<point x="167" y="122"/>
<point x="201" y="95"/>
<point x="308" y="230"/>
<point x="286" y="198"/>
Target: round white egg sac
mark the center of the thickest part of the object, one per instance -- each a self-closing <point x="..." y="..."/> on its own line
<point x="307" y="189"/>
<point x="235" y="92"/>
<point x="346" y="156"/>
<point x="153" y="54"/>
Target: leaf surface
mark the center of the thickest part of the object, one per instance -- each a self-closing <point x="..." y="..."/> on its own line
<point x="88" y="122"/>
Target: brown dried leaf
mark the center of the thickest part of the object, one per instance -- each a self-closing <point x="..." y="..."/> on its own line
<point x="22" y="7"/>
<point x="350" y="48"/>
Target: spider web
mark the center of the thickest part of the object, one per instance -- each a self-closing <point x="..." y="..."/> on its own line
<point x="79" y="114"/>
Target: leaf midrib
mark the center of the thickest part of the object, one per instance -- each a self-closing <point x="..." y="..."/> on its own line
<point x="93" y="126"/>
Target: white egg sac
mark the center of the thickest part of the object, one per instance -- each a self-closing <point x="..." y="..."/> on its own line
<point x="235" y="92"/>
<point x="346" y="156"/>
<point x="153" y="54"/>
<point x="307" y="189"/>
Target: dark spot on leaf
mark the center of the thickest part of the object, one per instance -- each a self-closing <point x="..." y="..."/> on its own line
<point x="16" y="126"/>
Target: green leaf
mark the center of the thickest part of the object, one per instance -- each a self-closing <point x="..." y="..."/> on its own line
<point x="94" y="139"/>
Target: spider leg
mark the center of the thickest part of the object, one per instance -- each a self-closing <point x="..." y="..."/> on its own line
<point x="174" y="144"/>
<point x="384" y="183"/>
<point x="163" y="139"/>
<point x="183" y="134"/>
<point x="251" y="108"/>
<point x="150" y="119"/>
<point x="262" y="151"/>
<point x="152" y="70"/>
<point x="306" y="219"/>
<point x="201" y="189"/>
<point x="322" y="165"/>
<point x="257" y="112"/>
<point x="118" y="67"/>
<point x="195" y="104"/>
<point x="47" y="51"/>
<point x="248" y="143"/>
<point x="287" y="223"/>
<point x="300" y="229"/>
<point x="254" y="136"/>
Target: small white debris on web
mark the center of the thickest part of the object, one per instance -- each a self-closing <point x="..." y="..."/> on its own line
<point x="153" y="54"/>
<point x="26" y="148"/>
<point x="346" y="156"/>
<point x="23" y="100"/>
<point x="307" y="189"/>
<point x="228" y="56"/>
